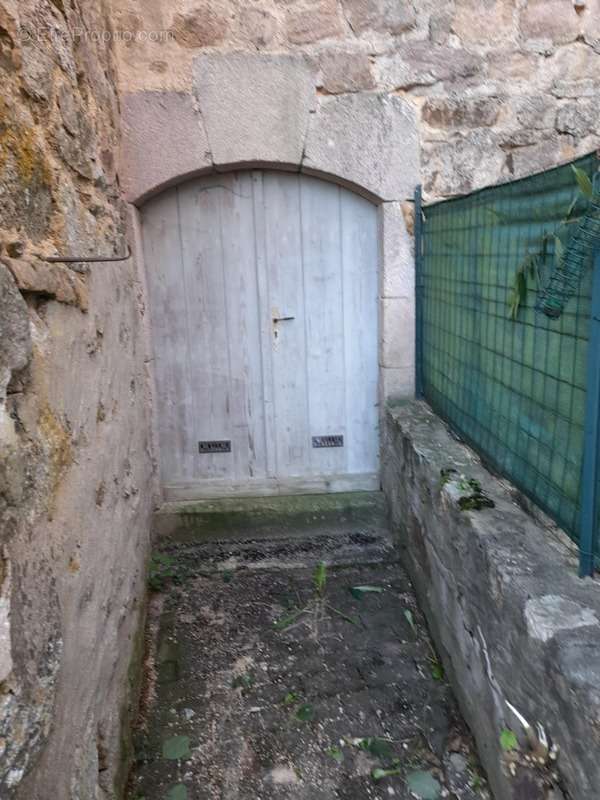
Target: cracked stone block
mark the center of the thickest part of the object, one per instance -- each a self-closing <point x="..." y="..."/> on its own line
<point x="578" y="118"/>
<point x="344" y="70"/>
<point x="556" y="20"/>
<point x="586" y="87"/>
<point x="424" y="64"/>
<point x="447" y="112"/>
<point x="397" y="245"/>
<point x="547" y="615"/>
<point x="255" y="106"/>
<point x="258" y="26"/>
<point x="15" y="337"/>
<point x="486" y="22"/>
<point x="370" y="140"/>
<point x="50" y="280"/>
<point x="313" y="22"/>
<point x="398" y="332"/>
<point x="6" y="662"/>
<point x="203" y="26"/>
<point x="163" y="139"/>
<point x="535" y="157"/>
<point x="472" y="161"/>
<point x="383" y="16"/>
<point x="534" y="111"/>
<point x="397" y="383"/>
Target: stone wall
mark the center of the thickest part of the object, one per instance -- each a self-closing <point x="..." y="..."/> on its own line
<point x="75" y="464"/>
<point x="502" y="87"/>
<point x="512" y="621"/>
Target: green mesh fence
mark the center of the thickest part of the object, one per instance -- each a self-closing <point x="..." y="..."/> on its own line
<point x="510" y="381"/>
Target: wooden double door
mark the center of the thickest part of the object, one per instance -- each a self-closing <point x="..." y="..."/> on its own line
<point x="264" y="306"/>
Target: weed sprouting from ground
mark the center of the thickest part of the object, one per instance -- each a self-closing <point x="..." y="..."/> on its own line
<point x="315" y="611"/>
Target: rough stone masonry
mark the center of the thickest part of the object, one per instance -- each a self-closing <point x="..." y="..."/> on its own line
<point x="500" y="88"/>
<point x="75" y="468"/>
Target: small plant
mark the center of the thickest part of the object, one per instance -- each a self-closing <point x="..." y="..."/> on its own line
<point x="379" y="774"/>
<point x="474" y="498"/>
<point x="316" y="607"/>
<point x="447" y="474"/>
<point x="508" y="740"/>
<point x="336" y="754"/>
<point x="435" y="665"/>
<point x="162" y="570"/>
<point x="380" y="748"/>
<point x="305" y="713"/>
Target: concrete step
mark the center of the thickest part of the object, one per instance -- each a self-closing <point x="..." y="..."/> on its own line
<point x="269" y="517"/>
<point x="282" y="532"/>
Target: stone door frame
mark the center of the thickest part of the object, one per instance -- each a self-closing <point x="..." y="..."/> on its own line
<point x="257" y="110"/>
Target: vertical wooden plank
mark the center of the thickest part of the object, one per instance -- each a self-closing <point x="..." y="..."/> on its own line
<point x="265" y="324"/>
<point x="243" y="327"/>
<point x="210" y="379"/>
<point x="361" y="330"/>
<point x="168" y="313"/>
<point x="322" y="268"/>
<point x="283" y="249"/>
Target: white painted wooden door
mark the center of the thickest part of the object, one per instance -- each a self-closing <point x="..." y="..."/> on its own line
<point x="263" y="299"/>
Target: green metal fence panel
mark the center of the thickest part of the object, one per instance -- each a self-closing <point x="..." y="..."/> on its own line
<point x="513" y="388"/>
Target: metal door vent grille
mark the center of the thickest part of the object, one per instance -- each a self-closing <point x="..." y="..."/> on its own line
<point x="327" y="441"/>
<point x="223" y="446"/>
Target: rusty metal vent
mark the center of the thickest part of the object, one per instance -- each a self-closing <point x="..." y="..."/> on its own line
<point x="223" y="446"/>
<point x="328" y="441"/>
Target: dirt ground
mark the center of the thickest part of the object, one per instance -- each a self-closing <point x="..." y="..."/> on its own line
<point x="270" y="675"/>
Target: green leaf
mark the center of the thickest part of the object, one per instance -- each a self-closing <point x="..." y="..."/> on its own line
<point x="583" y="181"/>
<point x="336" y="754"/>
<point x="290" y="699"/>
<point x="380" y="748"/>
<point x="423" y="785"/>
<point x="285" y="622"/>
<point x="508" y="740"/>
<point x="559" y="250"/>
<point x="360" y="591"/>
<point x="176" y="747"/>
<point x="177" y="792"/>
<point x="437" y="670"/>
<point x="411" y="620"/>
<point x="305" y="713"/>
<point x="378" y="774"/>
<point x="341" y="614"/>
<point x="522" y="287"/>
<point x="320" y="578"/>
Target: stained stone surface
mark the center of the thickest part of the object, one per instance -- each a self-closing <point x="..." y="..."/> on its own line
<point x="503" y="598"/>
<point x="281" y="711"/>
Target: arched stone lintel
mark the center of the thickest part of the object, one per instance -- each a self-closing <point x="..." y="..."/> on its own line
<point x="262" y="110"/>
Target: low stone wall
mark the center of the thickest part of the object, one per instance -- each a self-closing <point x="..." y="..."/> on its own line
<point x="512" y="621"/>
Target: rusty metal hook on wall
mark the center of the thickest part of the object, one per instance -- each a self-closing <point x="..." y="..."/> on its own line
<point x="86" y="259"/>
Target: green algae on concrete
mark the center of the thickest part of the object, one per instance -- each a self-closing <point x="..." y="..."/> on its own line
<point x="265" y="516"/>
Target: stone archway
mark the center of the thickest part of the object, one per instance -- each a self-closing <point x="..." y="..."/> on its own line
<point x="257" y="110"/>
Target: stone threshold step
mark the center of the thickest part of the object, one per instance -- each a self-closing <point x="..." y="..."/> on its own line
<point x="278" y="517"/>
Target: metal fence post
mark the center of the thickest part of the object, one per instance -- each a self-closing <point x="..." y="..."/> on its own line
<point x="591" y="455"/>
<point x="418" y="293"/>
